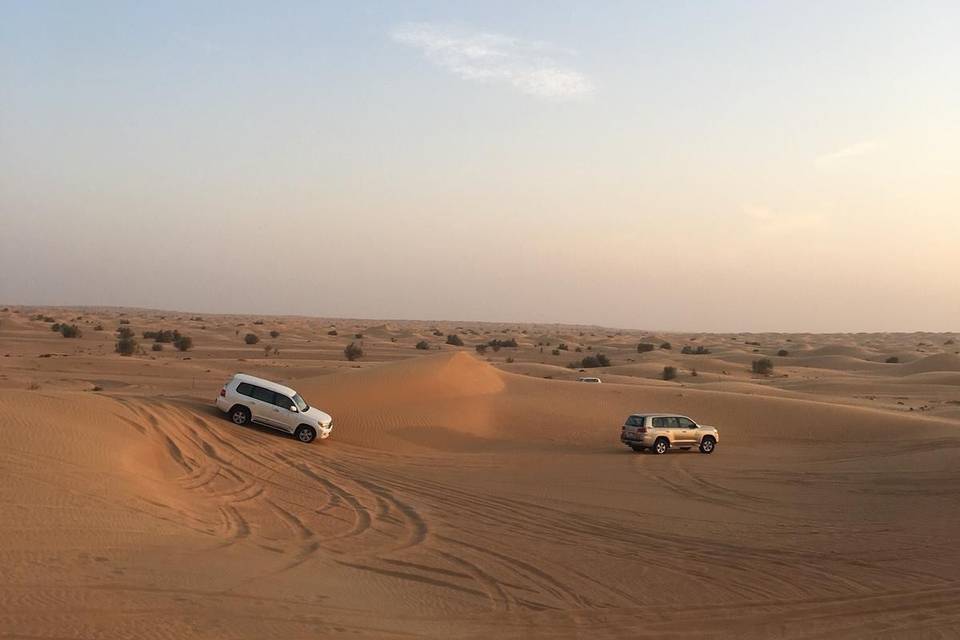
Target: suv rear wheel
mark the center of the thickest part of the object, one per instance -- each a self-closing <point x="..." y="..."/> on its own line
<point x="240" y="415"/>
<point x="305" y="433"/>
<point x="660" y="446"/>
<point x="707" y="445"/>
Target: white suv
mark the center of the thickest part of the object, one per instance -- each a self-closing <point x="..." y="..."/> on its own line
<point x="248" y="399"/>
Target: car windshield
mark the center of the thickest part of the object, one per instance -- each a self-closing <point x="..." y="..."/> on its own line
<point x="303" y="406"/>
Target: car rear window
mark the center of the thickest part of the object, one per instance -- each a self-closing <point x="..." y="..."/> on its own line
<point x="635" y="421"/>
<point x="263" y="394"/>
<point x="245" y="388"/>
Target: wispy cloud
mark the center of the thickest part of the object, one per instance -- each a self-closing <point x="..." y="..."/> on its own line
<point x="529" y="66"/>
<point x="854" y="150"/>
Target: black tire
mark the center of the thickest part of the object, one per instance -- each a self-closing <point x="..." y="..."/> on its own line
<point x="637" y="448"/>
<point x="707" y="445"/>
<point x="240" y="415"/>
<point x="305" y="434"/>
<point x="661" y="446"/>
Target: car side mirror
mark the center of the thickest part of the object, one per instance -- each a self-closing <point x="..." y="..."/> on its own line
<point x="293" y="408"/>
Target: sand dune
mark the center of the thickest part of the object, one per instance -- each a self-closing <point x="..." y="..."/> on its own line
<point x="465" y="496"/>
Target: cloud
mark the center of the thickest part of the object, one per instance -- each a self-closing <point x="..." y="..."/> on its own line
<point x="528" y="66"/>
<point x="854" y="150"/>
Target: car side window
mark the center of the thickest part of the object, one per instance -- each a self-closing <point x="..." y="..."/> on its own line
<point x="263" y="394"/>
<point x="659" y="422"/>
<point x="283" y="402"/>
<point x="245" y="389"/>
<point x="672" y="423"/>
<point x="687" y="423"/>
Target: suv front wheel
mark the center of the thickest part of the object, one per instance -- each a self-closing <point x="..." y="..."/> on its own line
<point x="707" y="445"/>
<point x="305" y="433"/>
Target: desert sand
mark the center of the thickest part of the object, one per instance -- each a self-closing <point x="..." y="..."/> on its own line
<point x="467" y="495"/>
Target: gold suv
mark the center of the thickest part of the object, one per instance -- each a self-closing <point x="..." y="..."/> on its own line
<point x="660" y="432"/>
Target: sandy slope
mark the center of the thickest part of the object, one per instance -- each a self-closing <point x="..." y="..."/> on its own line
<point x="459" y="499"/>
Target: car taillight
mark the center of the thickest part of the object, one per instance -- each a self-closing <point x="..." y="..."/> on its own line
<point x="223" y="393"/>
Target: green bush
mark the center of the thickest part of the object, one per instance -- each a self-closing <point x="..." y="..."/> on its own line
<point x="125" y="333"/>
<point x="157" y="347"/>
<point x="55" y="327"/>
<point x="597" y="360"/>
<point x="481" y="349"/>
<point x="183" y="343"/>
<point x="893" y="360"/>
<point x="251" y="338"/>
<point x="666" y="345"/>
<point x="699" y="351"/>
<point x="70" y="331"/>
<point x="127" y="344"/>
<point x="274" y="334"/>
<point x="353" y="351"/>
<point x="669" y="373"/>
<point x="644" y="347"/>
<point x="763" y="366"/>
<point x="423" y="345"/>
<point x="555" y="352"/>
<point x="332" y="332"/>
<point x="783" y="353"/>
<point x="455" y="340"/>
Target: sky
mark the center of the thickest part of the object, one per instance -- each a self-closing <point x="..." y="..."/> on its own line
<point x="713" y="166"/>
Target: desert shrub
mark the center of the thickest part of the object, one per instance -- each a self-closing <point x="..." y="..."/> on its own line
<point x="509" y="360"/>
<point x="127" y="344"/>
<point x="258" y="322"/>
<point x="157" y="347"/>
<point x="783" y="353"/>
<point x="644" y="347"/>
<point x="124" y="333"/>
<point x="598" y="360"/>
<point x="55" y="327"/>
<point x="496" y="344"/>
<point x="693" y="373"/>
<point x="99" y="327"/>
<point x="70" y="331"/>
<point x="481" y="349"/>
<point x="669" y="373"/>
<point x="251" y="338"/>
<point x="274" y="334"/>
<point x="763" y="366"/>
<point x="555" y="352"/>
<point x="162" y="335"/>
<point x="423" y="345"/>
<point x="353" y="351"/>
<point x="893" y="360"/>
<point x="666" y="345"/>
<point x="266" y="350"/>
<point x="563" y="347"/>
<point x="699" y="351"/>
<point x="123" y="321"/>
<point x="455" y="340"/>
<point x="579" y="350"/>
<point x="949" y="342"/>
<point x="438" y="333"/>
<point x="332" y="332"/>
<point x="197" y="318"/>
<point x="183" y="343"/>
<point x="358" y="336"/>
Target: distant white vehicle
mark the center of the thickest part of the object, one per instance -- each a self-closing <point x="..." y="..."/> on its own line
<point x="249" y="399"/>
<point x="589" y="380"/>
